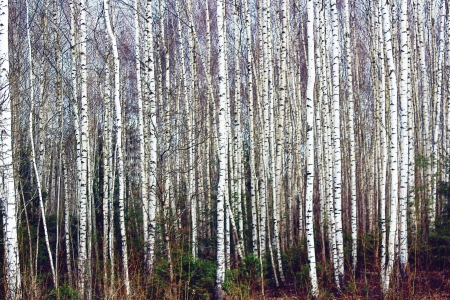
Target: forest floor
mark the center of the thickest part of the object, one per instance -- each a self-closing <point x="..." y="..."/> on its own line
<point x="419" y="285"/>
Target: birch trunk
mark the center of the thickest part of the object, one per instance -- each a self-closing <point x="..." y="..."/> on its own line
<point x="252" y="153"/>
<point x="107" y="174"/>
<point x="278" y="182"/>
<point x="425" y="98"/>
<point x="33" y="152"/>
<point x="437" y="108"/>
<point x="143" y="129"/>
<point x="190" y="113"/>
<point x="210" y="125"/>
<point x="76" y="117"/>
<point x="150" y="65"/>
<point x="166" y="146"/>
<point x="326" y="109"/>
<point x="222" y="189"/>
<point x="56" y="178"/>
<point x="447" y="144"/>
<point x="67" y="220"/>
<point x="271" y="141"/>
<point x="8" y="190"/>
<point x="404" y="137"/>
<point x="319" y="137"/>
<point x="266" y="102"/>
<point x="261" y="181"/>
<point x="351" y="132"/>
<point x="393" y="144"/>
<point x="237" y="128"/>
<point x="229" y="182"/>
<point x="120" y="165"/>
<point x="383" y="143"/>
<point x="84" y="148"/>
<point x="310" y="151"/>
<point x="339" y="268"/>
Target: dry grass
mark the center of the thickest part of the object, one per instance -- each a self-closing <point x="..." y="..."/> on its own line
<point x="423" y="285"/>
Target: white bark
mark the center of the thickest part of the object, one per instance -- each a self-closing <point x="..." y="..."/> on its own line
<point x="383" y="143"/>
<point x="266" y="132"/>
<point x="229" y="182"/>
<point x="251" y="129"/>
<point x="319" y="139"/>
<point x="8" y="192"/>
<point x="190" y="115"/>
<point x="210" y="125"/>
<point x="290" y="133"/>
<point x="67" y="221"/>
<point x="120" y="166"/>
<point x="310" y="151"/>
<point x="447" y="143"/>
<point x="107" y="195"/>
<point x="439" y="93"/>
<point x="404" y="136"/>
<point x="39" y="187"/>
<point x="166" y="145"/>
<point x="111" y="237"/>
<point x="222" y="189"/>
<point x="76" y="116"/>
<point x="351" y="132"/>
<point x="152" y="145"/>
<point x="239" y="244"/>
<point x="271" y="141"/>
<point x="143" y="128"/>
<point x="278" y="180"/>
<point x="425" y="100"/>
<point x="259" y="140"/>
<point x="326" y="109"/>
<point x="33" y="152"/>
<point x="237" y="129"/>
<point x="393" y="144"/>
<point x="84" y="148"/>
<point x="59" y="99"/>
<point x="339" y="268"/>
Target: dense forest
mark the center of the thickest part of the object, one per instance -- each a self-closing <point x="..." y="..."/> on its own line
<point x="225" y="149"/>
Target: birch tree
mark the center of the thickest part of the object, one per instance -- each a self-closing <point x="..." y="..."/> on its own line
<point x="351" y="131"/>
<point x="339" y="268"/>
<point x="262" y="141"/>
<point x="383" y="140"/>
<point x="278" y="180"/>
<point x="143" y="129"/>
<point x="393" y="144"/>
<point x="310" y="151"/>
<point x="33" y="152"/>
<point x="120" y="166"/>
<point x="155" y="153"/>
<point x="237" y="125"/>
<point x="8" y="190"/>
<point x="251" y="129"/>
<point x="425" y="96"/>
<point x="150" y="74"/>
<point x="107" y="177"/>
<point x="220" y="271"/>
<point x="438" y="96"/>
<point x="404" y="137"/>
<point x="84" y="162"/>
